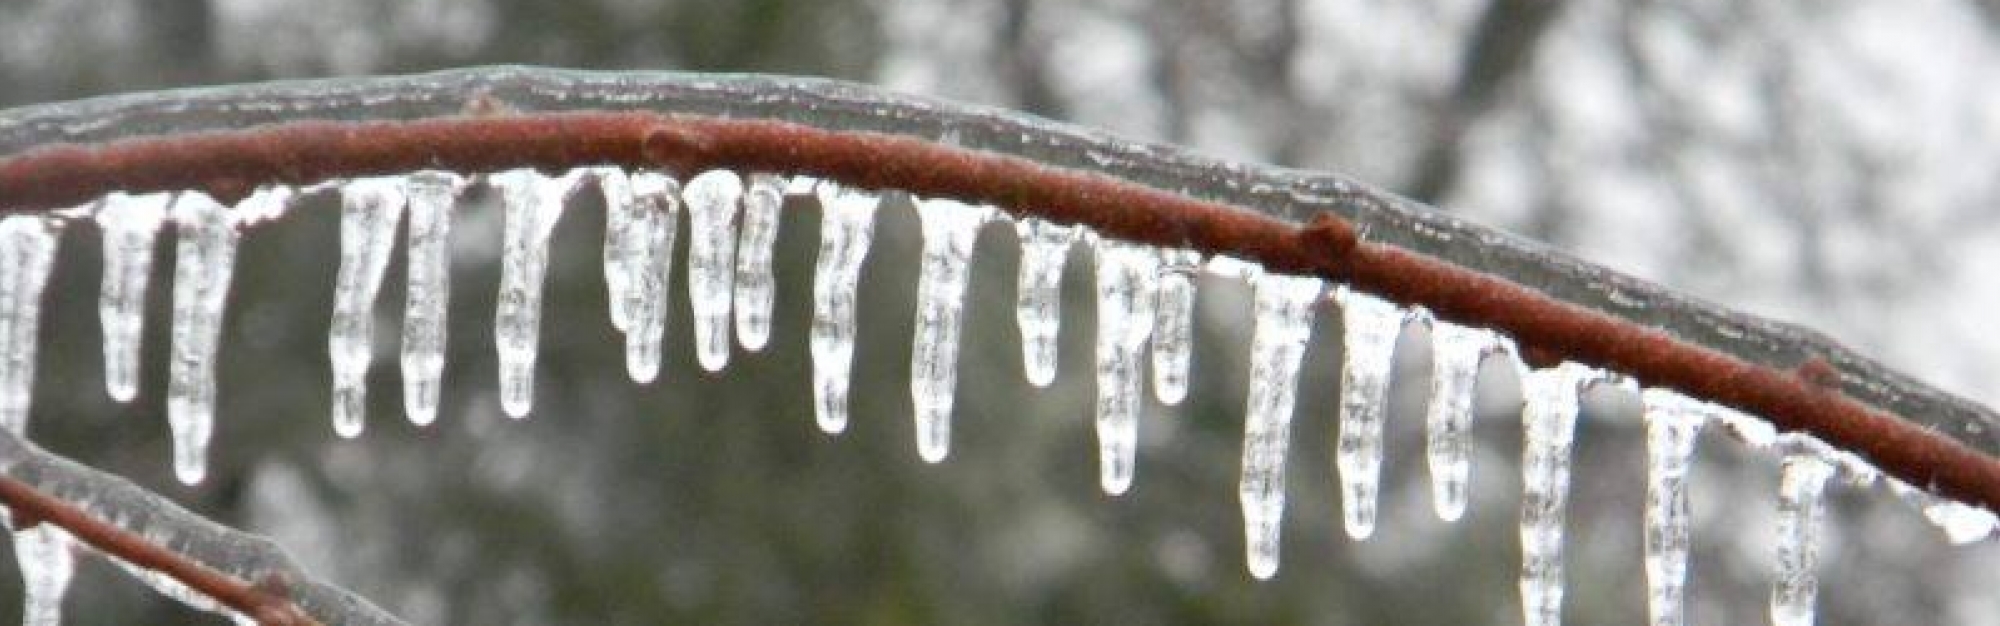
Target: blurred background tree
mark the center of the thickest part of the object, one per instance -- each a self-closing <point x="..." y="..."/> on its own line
<point x="1830" y="163"/>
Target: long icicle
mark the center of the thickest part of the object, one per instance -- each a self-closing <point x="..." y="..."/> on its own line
<point x="431" y="195"/>
<point x="48" y="560"/>
<point x="27" y="252"/>
<point x="1801" y="509"/>
<point x="1672" y="422"/>
<point x="950" y="229"/>
<point x="1173" y="333"/>
<point x="712" y="201"/>
<point x="1370" y="328"/>
<point x="756" y="287"/>
<point x="131" y="225"/>
<point x="1044" y="249"/>
<point x="1283" y="321"/>
<point x="847" y="225"/>
<point x="532" y="202"/>
<point x="1456" y="352"/>
<point x="369" y="211"/>
<point x="204" y="265"/>
<point x="1548" y="421"/>
<point x="641" y="214"/>
<point x="1125" y="291"/>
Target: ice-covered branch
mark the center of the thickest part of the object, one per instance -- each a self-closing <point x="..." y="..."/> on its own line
<point x="180" y="554"/>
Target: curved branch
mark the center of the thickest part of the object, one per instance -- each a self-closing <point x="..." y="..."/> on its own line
<point x="305" y="132"/>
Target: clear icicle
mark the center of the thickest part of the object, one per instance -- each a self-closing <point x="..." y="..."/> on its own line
<point x="131" y="224"/>
<point x="47" y="561"/>
<point x="1371" y="325"/>
<point x="431" y="195"/>
<point x="1173" y="333"/>
<point x="1283" y="321"/>
<point x="204" y="264"/>
<point x="755" y="285"/>
<point x="950" y="229"/>
<point x="1962" y="523"/>
<point x="1548" y="419"/>
<point x="369" y="210"/>
<point x="1126" y="274"/>
<point x="641" y="211"/>
<point x="847" y="224"/>
<point x="532" y="202"/>
<point x="1672" y="422"/>
<point x="27" y="252"/>
<point x="1455" y="355"/>
<point x="712" y="198"/>
<point x="1800" y="508"/>
<point x="1044" y="249"/>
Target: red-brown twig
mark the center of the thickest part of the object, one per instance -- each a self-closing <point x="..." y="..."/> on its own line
<point x="34" y="507"/>
<point x="229" y="163"/>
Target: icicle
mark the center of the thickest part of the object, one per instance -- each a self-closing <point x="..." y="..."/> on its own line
<point x="1548" y="420"/>
<point x="1962" y="523"/>
<point x="1044" y="249"/>
<point x="531" y="202"/>
<point x="1283" y="321"/>
<point x="130" y="225"/>
<point x="1371" y="325"/>
<point x="1672" y="422"/>
<point x="204" y="263"/>
<point x="1173" y="334"/>
<point x="47" y="562"/>
<point x="370" y="208"/>
<point x="1455" y="355"/>
<point x="1800" y="509"/>
<point x="431" y="195"/>
<point x="950" y="229"/>
<point x="27" y="252"/>
<point x="847" y="224"/>
<point x="1125" y="289"/>
<point x="641" y="211"/>
<point x="712" y="199"/>
<point x="755" y="286"/>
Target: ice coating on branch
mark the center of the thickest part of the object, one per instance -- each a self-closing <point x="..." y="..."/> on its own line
<point x="531" y="203"/>
<point x="431" y="195"/>
<point x="1548" y="419"/>
<point x="130" y="224"/>
<point x="47" y="561"/>
<point x="847" y="224"/>
<point x="950" y="229"/>
<point x="27" y="252"/>
<point x="1173" y="330"/>
<point x="1801" y="509"/>
<point x="1126" y="274"/>
<point x="369" y="210"/>
<point x="712" y="199"/>
<point x="1371" y="325"/>
<point x="1283" y="320"/>
<point x="204" y="264"/>
<point x="1044" y="249"/>
<point x="1672" y="423"/>
<point x="755" y="285"/>
<point x="1455" y="355"/>
<point x="641" y="212"/>
<point x="1962" y="523"/>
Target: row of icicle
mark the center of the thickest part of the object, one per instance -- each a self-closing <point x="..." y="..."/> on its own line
<point x="1145" y="305"/>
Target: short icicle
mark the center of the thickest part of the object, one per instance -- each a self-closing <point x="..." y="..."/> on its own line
<point x="1801" y="488"/>
<point x="27" y="252"/>
<point x="950" y="228"/>
<point x="1371" y="325"/>
<point x="712" y="201"/>
<point x="531" y="202"/>
<point x="1456" y="352"/>
<point x="1126" y="275"/>
<point x="847" y="225"/>
<point x="431" y="195"/>
<point x="1044" y="249"/>
<point x="756" y="287"/>
<point x="1961" y="523"/>
<point x="369" y="210"/>
<point x="47" y="558"/>
<point x="1173" y="332"/>
<point x="1282" y="322"/>
<point x="641" y="214"/>
<point x="130" y="224"/>
<point x="204" y="265"/>
<point x="1672" y="422"/>
<point x="1548" y="422"/>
